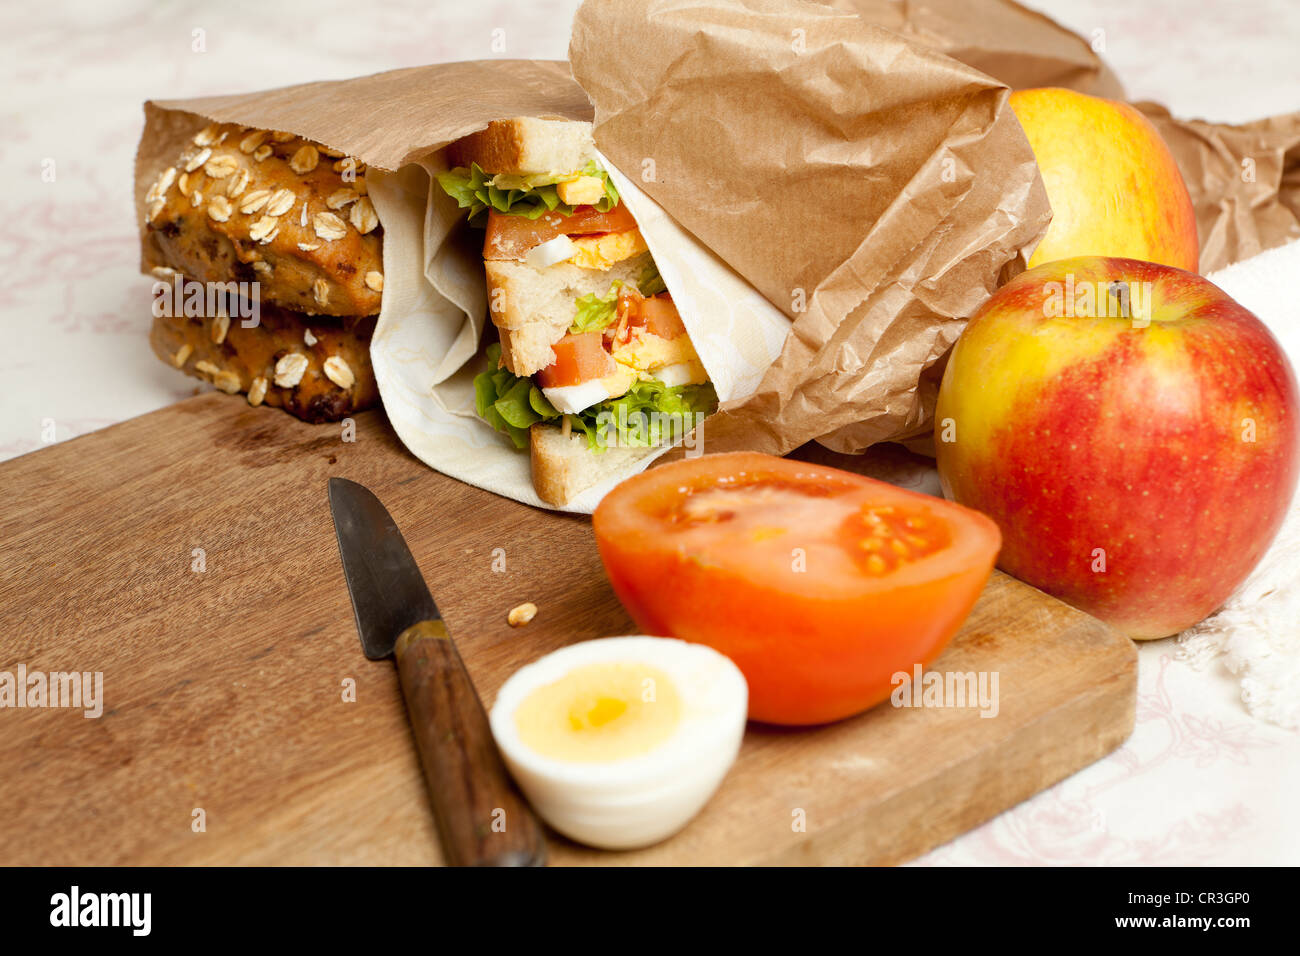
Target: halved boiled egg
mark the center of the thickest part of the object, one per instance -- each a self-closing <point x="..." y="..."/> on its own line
<point x="619" y="742"/>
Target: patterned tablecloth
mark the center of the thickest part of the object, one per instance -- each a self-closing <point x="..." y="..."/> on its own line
<point x="1200" y="781"/>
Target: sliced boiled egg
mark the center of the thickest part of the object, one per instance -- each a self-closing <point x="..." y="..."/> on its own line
<point x="571" y="399"/>
<point x="646" y="352"/>
<point x="619" y="742"/>
<point x="604" y="250"/>
<point x="548" y="253"/>
<point x="681" y="373"/>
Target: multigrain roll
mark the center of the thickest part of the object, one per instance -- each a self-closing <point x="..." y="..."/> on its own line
<point x="318" y="370"/>
<point x="247" y="205"/>
<point x="268" y="215"/>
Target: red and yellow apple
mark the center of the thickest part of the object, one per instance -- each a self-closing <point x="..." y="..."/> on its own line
<point x="1131" y="429"/>
<point x="1114" y="187"/>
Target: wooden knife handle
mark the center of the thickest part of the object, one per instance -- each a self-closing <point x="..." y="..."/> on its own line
<point x="482" y="820"/>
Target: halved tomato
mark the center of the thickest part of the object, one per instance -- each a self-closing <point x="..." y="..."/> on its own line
<point x="820" y="584"/>
<point x="579" y="357"/>
<point x="512" y="237"/>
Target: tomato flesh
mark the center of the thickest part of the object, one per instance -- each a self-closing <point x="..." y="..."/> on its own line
<point x="638" y="315"/>
<point x="579" y="357"/>
<point x="657" y="315"/>
<point x="584" y="356"/>
<point x="820" y="584"/>
<point x="513" y="237"/>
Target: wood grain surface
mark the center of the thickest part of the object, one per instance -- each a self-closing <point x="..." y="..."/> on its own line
<point x="226" y="687"/>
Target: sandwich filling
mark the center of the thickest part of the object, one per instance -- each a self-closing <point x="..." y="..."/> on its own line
<point x="625" y="355"/>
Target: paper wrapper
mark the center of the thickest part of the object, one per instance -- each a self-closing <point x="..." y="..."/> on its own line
<point x="387" y="120"/>
<point x="433" y="316"/>
<point x="872" y="188"/>
<point x="426" y="345"/>
<point x="707" y="78"/>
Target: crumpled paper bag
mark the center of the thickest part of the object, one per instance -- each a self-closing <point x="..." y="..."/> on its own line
<point x="1244" y="179"/>
<point x="1021" y="47"/>
<point x="873" y="189"/>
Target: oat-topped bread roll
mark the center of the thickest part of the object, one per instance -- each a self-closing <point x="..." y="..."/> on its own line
<point x="255" y="205"/>
<point x="315" y="368"/>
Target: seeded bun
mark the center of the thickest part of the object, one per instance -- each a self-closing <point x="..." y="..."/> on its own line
<point x="316" y="369"/>
<point x="253" y="205"/>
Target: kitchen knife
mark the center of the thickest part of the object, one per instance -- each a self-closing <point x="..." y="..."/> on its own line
<point x="482" y="820"/>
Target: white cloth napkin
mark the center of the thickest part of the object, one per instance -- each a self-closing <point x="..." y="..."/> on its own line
<point x="1256" y="635"/>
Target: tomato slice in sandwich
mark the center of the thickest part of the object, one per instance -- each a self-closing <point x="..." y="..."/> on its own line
<point x="656" y="314"/>
<point x="579" y="357"/>
<point x="512" y="237"/>
<point x="819" y="583"/>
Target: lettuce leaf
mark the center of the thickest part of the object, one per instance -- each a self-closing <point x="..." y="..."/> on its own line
<point x="595" y="312"/>
<point x="629" y="421"/>
<point x="508" y="403"/>
<point x="511" y="405"/>
<point x="649" y="282"/>
<point x="530" y="197"/>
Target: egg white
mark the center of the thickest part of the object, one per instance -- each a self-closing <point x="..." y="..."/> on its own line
<point x="548" y="253"/>
<point x="681" y="373"/>
<point x="642" y="799"/>
<point x="571" y="399"/>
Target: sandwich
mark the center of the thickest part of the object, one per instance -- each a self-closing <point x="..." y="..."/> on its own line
<point x="592" y="368"/>
<point x="282" y="230"/>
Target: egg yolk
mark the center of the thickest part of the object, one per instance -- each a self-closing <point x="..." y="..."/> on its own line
<point x="604" y="250"/>
<point x="645" y="353"/>
<point x="600" y="712"/>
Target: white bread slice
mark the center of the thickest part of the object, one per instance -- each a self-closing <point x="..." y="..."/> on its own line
<point x="526" y="146"/>
<point x="564" y="467"/>
<point x="534" y="308"/>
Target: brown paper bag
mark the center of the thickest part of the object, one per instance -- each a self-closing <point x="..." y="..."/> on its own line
<point x="386" y="120"/>
<point x="1011" y="43"/>
<point x="870" y="187"/>
<point x="873" y="188"/>
<point x="1244" y="179"/>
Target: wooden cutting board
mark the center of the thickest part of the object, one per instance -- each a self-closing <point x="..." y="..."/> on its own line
<point x="224" y="687"/>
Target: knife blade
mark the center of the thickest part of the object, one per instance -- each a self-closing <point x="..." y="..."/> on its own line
<point x="481" y="818"/>
<point x="388" y="592"/>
